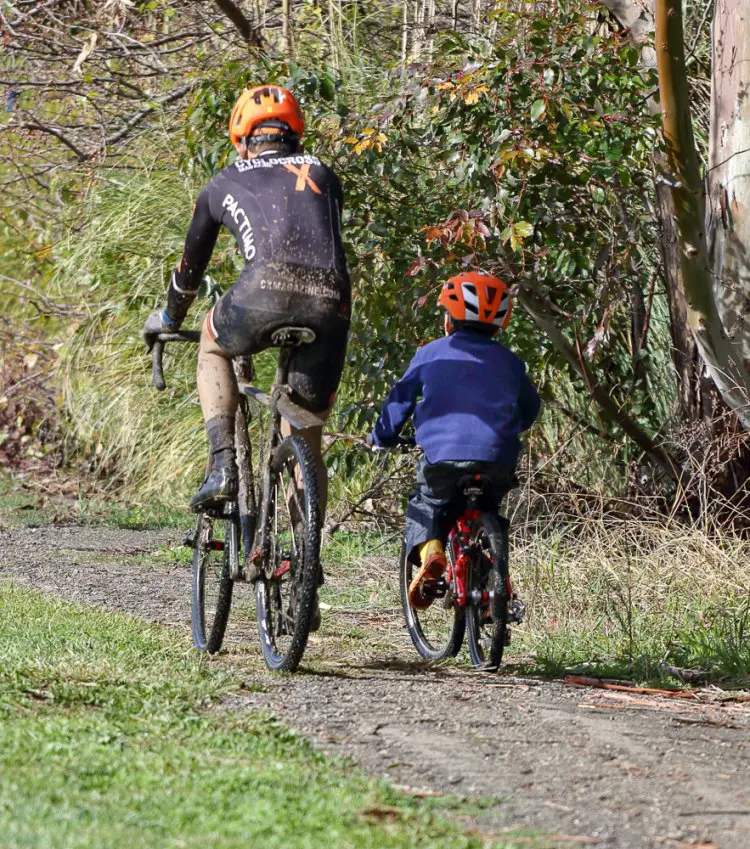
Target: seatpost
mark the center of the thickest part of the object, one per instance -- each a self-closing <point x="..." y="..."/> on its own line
<point x="282" y="367"/>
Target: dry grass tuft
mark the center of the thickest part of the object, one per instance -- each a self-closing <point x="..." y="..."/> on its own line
<point x="635" y="593"/>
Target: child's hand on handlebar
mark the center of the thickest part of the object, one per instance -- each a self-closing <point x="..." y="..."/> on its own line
<point x="372" y="445"/>
<point x="400" y="442"/>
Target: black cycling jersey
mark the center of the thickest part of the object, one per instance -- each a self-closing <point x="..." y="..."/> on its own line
<point x="285" y="212"/>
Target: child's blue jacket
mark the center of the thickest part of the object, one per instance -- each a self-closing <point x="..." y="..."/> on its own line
<point x="476" y="399"/>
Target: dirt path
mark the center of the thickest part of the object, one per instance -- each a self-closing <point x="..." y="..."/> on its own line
<point x="594" y="767"/>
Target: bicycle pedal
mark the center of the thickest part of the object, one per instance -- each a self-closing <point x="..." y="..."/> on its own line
<point x="229" y="508"/>
<point x="189" y="539"/>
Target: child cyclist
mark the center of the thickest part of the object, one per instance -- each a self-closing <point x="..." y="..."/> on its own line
<point x="471" y="398"/>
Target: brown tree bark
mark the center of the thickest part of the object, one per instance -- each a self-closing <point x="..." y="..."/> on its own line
<point x="286" y="27"/>
<point x="251" y="35"/>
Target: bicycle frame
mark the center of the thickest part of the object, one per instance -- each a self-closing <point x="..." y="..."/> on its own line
<point x="458" y="539"/>
<point x="281" y="406"/>
<point x="260" y="553"/>
<point x="458" y="570"/>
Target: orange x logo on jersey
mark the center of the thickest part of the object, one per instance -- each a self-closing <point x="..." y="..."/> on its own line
<point x="303" y="178"/>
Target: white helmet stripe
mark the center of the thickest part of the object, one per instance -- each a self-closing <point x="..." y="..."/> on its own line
<point x="470" y="300"/>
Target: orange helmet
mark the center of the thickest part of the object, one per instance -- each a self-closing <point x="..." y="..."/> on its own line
<point x="479" y="297"/>
<point x="266" y="105"/>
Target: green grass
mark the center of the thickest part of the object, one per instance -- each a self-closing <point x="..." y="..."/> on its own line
<point x="112" y="733"/>
<point x="612" y="598"/>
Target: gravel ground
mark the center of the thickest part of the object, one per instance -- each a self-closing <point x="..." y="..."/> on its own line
<point x="593" y="767"/>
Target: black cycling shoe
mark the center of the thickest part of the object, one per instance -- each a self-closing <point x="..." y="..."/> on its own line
<point x="219" y="487"/>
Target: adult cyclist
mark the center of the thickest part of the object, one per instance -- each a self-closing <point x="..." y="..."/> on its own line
<point x="283" y="207"/>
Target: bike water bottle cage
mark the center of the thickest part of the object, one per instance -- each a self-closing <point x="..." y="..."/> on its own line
<point x="292" y="336"/>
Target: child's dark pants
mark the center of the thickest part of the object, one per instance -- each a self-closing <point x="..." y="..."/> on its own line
<point x="437" y="500"/>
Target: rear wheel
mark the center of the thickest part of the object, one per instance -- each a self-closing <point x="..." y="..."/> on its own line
<point x="285" y="592"/>
<point x="438" y="631"/>
<point x="488" y="595"/>
<point x="215" y="559"/>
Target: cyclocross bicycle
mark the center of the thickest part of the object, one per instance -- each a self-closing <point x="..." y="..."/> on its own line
<point x="273" y="528"/>
<point x="474" y="597"/>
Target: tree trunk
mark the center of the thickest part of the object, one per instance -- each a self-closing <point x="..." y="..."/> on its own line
<point x="685" y="357"/>
<point x="240" y="21"/>
<point x="405" y="33"/>
<point x="719" y="353"/>
<point x="697" y="396"/>
<point x="286" y="27"/>
<point x="476" y="8"/>
<point x="430" y="23"/>
<point x="728" y="218"/>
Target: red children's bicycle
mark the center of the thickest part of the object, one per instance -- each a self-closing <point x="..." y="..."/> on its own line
<point x="475" y="592"/>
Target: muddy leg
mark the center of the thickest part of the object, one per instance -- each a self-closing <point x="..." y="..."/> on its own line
<point x="313" y="436"/>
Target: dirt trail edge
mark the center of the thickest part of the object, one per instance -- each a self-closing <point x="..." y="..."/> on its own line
<point x="589" y="766"/>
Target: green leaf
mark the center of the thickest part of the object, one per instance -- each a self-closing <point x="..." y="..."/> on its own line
<point x="523" y="229"/>
<point x="538" y="108"/>
<point x="327" y="88"/>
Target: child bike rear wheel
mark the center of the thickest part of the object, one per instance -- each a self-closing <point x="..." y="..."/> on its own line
<point x="488" y="595"/>
<point x="215" y="558"/>
<point x="286" y="590"/>
<point x="438" y="631"/>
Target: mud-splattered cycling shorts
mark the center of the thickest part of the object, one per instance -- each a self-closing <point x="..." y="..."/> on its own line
<point x="280" y="295"/>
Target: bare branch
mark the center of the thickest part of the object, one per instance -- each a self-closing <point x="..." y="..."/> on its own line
<point x="243" y="25"/>
<point x="136" y="119"/>
<point x="35" y="124"/>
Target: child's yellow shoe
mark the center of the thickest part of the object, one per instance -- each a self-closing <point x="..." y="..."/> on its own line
<point x="433" y="565"/>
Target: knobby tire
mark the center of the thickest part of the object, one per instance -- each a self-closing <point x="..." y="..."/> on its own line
<point x="292" y="453"/>
<point x="487" y="639"/>
<point x="209" y="625"/>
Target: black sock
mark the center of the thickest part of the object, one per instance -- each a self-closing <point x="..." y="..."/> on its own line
<point x="220" y="432"/>
<point x="223" y="457"/>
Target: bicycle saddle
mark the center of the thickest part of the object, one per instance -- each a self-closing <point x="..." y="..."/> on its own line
<point x="292" y="336"/>
<point x="474" y="484"/>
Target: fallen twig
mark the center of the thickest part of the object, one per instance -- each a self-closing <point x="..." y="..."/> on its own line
<point x="580" y="681"/>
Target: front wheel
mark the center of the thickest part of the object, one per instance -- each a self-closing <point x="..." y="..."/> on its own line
<point x="215" y="559"/>
<point x="488" y="592"/>
<point x="438" y="631"/>
<point x="286" y="590"/>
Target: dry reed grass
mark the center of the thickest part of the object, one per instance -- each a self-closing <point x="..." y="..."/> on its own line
<point x="637" y="593"/>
